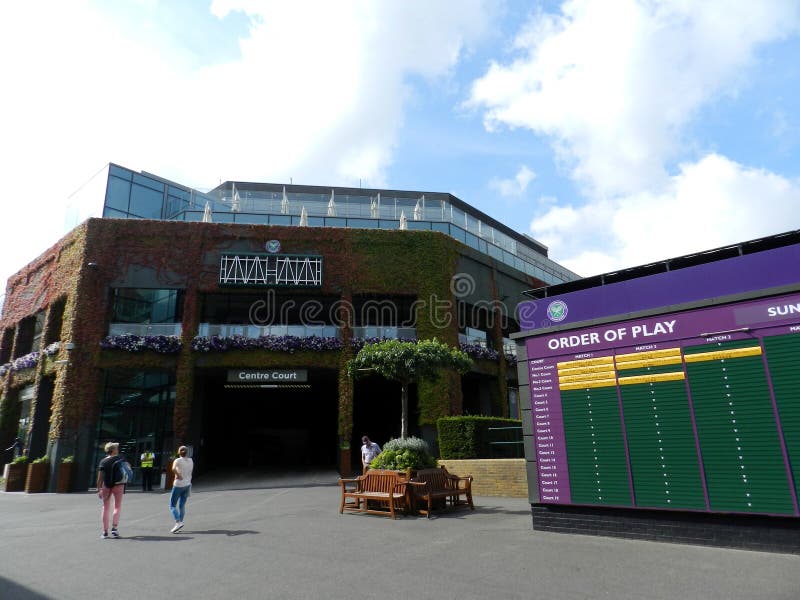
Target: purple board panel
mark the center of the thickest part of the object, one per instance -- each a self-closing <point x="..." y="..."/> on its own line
<point x="762" y="270"/>
<point x="681" y="407"/>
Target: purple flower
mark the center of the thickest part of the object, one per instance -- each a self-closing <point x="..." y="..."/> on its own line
<point x="272" y="343"/>
<point x="162" y="344"/>
<point x="480" y="352"/>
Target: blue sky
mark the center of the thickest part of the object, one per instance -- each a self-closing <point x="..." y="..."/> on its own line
<point x="616" y="133"/>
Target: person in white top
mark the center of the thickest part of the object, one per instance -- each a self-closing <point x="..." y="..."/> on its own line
<point x="182" y="467"/>
<point x="368" y="451"/>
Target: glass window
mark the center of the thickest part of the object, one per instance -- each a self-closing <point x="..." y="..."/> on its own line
<point x="147" y="182"/>
<point x="146" y="203"/>
<point x="193" y="215"/>
<point x="389" y="224"/>
<point x="458" y="233"/>
<point x="138" y="305"/>
<point x="226" y="217"/>
<point x="110" y="213"/>
<point x="443" y="227"/>
<point x="117" y="194"/>
<point x="472" y="241"/>
<point x="483" y="246"/>
<point x="119" y="172"/>
<point x="137" y="412"/>
<point x="250" y="218"/>
<point x="495" y="252"/>
<point x="335" y="222"/>
<point x="363" y="223"/>
<point x="280" y="220"/>
<point x="421" y="225"/>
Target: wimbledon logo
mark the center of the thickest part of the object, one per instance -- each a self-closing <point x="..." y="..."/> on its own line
<point x="557" y="311"/>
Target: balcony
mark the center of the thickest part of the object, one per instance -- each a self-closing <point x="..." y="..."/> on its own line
<point x="391" y="333"/>
<point x="256" y="331"/>
<point x="144" y="329"/>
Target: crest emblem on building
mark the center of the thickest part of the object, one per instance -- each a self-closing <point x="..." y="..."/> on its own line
<point x="273" y="246"/>
<point x="557" y="311"/>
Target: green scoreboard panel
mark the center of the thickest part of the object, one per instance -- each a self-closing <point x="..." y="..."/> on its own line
<point x="697" y="422"/>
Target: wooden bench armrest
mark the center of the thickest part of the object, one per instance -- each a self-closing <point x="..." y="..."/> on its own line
<point x="460" y="483"/>
<point x="350" y="485"/>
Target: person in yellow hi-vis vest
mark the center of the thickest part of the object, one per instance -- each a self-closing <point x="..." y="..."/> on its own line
<point x="146" y="463"/>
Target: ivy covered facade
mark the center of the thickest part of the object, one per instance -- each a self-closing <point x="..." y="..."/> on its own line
<point x="157" y="333"/>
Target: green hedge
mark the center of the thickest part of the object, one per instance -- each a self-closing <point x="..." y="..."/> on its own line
<point x="468" y="436"/>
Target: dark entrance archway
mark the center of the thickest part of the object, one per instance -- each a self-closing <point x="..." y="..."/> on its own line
<point x="267" y="426"/>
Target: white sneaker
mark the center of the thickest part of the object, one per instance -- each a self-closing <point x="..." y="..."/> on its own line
<point x="178" y="526"/>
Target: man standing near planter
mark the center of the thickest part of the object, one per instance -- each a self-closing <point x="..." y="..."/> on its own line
<point x="368" y="452"/>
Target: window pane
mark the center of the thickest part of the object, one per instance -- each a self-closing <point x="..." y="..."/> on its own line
<point x="117" y="194"/>
<point x="146" y="203"/>
<point x="147" y="182"/>
<point x="119" y="172"/>
<point x="280" y="220"/>
<point x="110" y="213"/>
<point x="250" y="218"/>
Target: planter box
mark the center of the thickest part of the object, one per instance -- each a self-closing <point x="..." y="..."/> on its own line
<point x="15" y="480"/>
<point x="36" y="481"/>
<point x="492" y="476"/>
<point x="64" y="481"/>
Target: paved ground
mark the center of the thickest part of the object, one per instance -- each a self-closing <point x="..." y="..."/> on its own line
<point x="276" y="536"/>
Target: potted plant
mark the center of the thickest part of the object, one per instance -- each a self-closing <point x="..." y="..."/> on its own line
<point x="17" y="471"/>
<point x="65" y="471"/>
<point x="38" y="471"/>
<point x="404" y="454"/>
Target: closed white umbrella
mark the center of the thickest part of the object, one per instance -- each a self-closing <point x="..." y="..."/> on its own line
<point x="375" y="207"/>
<point x="331" y="206"/>
<point x="207" y="213"/>
<point x="235" y="202"/>
<point x="303" y="217"/>
<point x="418" y="211"/>
<point x="285" y="203"/>
<point x="403" y="220"/>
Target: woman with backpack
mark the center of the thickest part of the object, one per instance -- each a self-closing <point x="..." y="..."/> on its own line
<point x="111" y="482"/>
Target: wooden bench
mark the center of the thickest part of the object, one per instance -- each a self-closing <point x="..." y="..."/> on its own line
<point x="433" y="486"/>
<point x="384" y="488"/>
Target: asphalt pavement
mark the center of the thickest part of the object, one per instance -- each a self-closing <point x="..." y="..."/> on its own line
<point x="270" y="535"/>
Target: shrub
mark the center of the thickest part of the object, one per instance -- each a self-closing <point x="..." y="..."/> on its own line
<point x="468" y="436"/>
<point x="20" y="460"/>
<point x="404" y="453"/>
<point x="42" y="459"/>
<point x="68" y="459"/>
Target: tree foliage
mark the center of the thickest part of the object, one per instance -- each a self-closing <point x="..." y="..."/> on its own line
<point x="406" y="363"/>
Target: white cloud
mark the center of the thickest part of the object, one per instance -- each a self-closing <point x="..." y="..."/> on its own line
<point x="514" y="186"/>
<point x="709" y="203"/>
<point x="318" y="94"/>
<point x="612" y="85"/>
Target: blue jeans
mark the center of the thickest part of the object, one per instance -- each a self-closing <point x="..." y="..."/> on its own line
<point x="177" y="501"/>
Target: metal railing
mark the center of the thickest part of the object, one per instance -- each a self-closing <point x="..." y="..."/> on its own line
<point x="392" y="333"/>
<point x="256" y="331"/>
<point x="144" y="329"/>
<point x="507" y="448"/>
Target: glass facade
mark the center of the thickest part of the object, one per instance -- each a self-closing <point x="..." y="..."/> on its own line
<point x="131" y="195"/>
<point x="137" y="413"/>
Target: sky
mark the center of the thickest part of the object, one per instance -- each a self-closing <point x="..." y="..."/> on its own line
<point x="616" y="133"/>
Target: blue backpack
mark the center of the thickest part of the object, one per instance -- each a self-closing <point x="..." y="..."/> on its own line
<point x="122" y="472"/>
